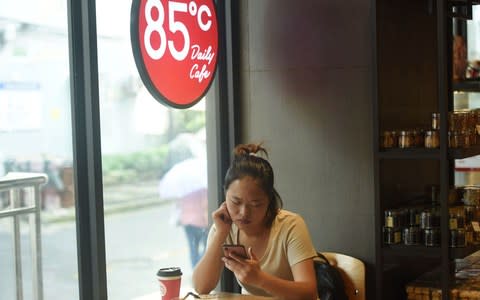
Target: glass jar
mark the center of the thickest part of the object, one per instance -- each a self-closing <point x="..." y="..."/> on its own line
<point x="418" y="138"/>
<point x="473" y="137"/>
<point x="389" y="139"/>
<point x="432" y="139"/>
<point x="429" y="219"/>
<point x="470" y="212"/>
<point x="471" y="195"/>
<point x="396" y="217"/>
<point x="457" y="217"/>
<point x="455" y="139"/>
<point x="391" y="235"/>
<point x="457" y="238"/>
<point x="431" y="237"/>
<point x="391" y="218"/>
<point x="462" y="119"/>
<point x="472" y="120"/>
<point x="452" y="121"/>
<point x="460" y="219"/>
<point x="477" y="120"/>
<point x="469" y="234"/>
<point x="454" y="196"/>
<point x="432" y="194"/>
<point x="452" y="222"/>
<point x="467" y="138"/>
<point x="435" y="121"/>
<point x="412" y="236"/>
<point x="405" y="139"/>
<point x="476" y="237"/>
<point x="413" y="216"/>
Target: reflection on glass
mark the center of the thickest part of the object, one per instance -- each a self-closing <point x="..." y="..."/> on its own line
<point x="36" y="136"/>
<point x="146" y="227"/>
<point x="154" y="171"/>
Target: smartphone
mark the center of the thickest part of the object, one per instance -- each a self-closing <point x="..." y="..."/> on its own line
<point x="237" y="249"/>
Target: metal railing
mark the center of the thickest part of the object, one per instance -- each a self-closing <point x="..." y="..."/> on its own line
<point x="25" y="187"/>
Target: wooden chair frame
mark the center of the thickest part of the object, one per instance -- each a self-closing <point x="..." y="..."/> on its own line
<point x="353" y="273"/>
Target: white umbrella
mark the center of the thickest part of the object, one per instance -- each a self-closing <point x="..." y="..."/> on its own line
<point x="183" y="178"/>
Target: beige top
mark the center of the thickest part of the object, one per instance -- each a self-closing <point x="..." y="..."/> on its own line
<point x="288" y="244"/>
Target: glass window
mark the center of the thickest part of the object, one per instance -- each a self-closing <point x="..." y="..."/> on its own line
<point x="36" y="136"/>
<point x="154" y="161"/>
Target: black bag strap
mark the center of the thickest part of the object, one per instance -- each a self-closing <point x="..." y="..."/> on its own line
<point x="323" y="257"/>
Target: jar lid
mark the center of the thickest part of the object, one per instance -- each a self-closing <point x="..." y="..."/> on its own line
<point x="169" y="272"/>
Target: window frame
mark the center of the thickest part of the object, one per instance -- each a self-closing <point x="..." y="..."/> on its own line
<point x="87" y="160"/>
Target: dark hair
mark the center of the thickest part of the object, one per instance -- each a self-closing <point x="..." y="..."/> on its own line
<point x="247" y="162"/>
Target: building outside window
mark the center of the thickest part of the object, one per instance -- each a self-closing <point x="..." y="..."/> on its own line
<point x="146" y="148"/>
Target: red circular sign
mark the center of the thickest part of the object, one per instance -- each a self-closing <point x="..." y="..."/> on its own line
<point x="175" y="46"/>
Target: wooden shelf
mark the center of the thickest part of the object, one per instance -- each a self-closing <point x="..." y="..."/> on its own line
<point x="463" y="2"/>
<point x="426" y="153"/>
<point x="412" y="251"/>
<point x="464" y="152"/>
<point x="467" y="86"/>
<point x="401" y="101"/>
<point x="402" y="250"/>
<point x="409" y="153"/>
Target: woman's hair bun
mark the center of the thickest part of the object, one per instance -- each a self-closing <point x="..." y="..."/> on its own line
<point x="249" y="149"/>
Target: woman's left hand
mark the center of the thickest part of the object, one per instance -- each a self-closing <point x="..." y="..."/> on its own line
<point x="247" y="270"/>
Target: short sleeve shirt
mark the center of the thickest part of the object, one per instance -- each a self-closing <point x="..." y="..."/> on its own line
<point x="289" y="243"/>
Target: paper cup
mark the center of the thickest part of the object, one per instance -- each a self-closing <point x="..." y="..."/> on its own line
<point x="169" y="280"/>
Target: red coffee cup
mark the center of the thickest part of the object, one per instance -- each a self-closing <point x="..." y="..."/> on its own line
<point x="169" y="280"/>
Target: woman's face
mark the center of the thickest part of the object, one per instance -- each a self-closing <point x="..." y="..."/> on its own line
<point x="247" y="203"/>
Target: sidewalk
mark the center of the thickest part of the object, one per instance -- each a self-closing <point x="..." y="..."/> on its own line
<point x="139" y="239"/>
<point x="116" y="198"/>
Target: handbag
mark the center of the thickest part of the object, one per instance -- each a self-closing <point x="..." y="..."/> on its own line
<point x="330" y="285"/>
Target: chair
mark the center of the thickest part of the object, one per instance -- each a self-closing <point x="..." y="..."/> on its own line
<point x="353" y="273"/>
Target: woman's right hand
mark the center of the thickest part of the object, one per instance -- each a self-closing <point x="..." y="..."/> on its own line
<point x="222" y="219"/>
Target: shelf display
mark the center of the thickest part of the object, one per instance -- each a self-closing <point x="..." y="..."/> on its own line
<point x="466" y="281"/>
<point x="424" y="220"/>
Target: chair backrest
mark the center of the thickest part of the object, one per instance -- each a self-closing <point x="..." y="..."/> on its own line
<point x="353" y="273"/>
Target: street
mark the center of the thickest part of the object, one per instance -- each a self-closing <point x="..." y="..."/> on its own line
<point x="138" y="243"/>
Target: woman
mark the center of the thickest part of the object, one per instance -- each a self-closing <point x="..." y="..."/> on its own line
<point x="280" y="251"/>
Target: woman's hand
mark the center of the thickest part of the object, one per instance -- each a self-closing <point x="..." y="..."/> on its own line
<point x="247" y="270"/>
<point x="222" y="219"/>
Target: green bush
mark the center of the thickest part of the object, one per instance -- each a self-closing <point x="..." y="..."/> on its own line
<point x="135" y="166"/>
<point x="188" y="120"/>
<point x="151" y="164"/>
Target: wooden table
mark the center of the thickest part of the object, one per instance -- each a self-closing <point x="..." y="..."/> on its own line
<point x="213" y="295"/>
<point x="230" y="296"/>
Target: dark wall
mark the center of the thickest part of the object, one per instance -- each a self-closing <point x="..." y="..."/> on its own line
<point x="306" y="92"/>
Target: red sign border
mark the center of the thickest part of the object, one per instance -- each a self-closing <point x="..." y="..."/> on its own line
<point x="142" y="70"/>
